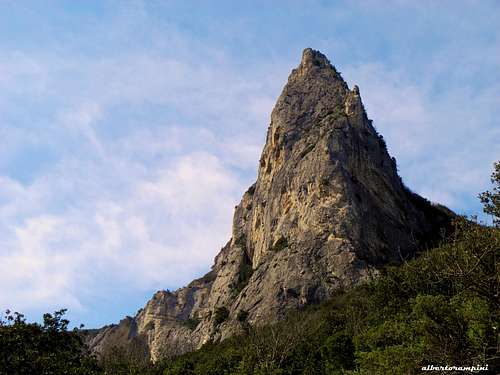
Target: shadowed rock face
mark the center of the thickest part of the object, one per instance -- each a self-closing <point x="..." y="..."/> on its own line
<point x="327" y="210"/>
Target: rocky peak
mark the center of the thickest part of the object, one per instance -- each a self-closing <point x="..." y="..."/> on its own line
<point x="312" y="61"/>
<point x="319" y="138"/>
<point x="327" y="210"/>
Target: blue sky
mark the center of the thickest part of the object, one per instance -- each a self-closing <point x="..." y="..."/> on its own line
<point x="130" y="129"/>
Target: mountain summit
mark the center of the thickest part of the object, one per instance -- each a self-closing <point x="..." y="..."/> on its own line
<point x="328" y="210"/>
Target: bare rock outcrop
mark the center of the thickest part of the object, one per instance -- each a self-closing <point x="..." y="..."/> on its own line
<point x="328" y="210"/>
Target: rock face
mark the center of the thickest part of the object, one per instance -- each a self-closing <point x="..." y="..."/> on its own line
<point x="328" y="209"/>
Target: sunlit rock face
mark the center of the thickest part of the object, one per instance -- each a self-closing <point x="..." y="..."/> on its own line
<point x="328" y="209"/>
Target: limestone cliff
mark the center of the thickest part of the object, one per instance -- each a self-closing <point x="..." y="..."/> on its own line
<point x="328" y="209"/>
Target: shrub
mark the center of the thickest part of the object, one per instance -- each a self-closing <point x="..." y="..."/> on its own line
<point x="220" y="315"/>
<point x="191" y="323"/>
<point x="242" y="316"/>
<point x="279" y="245"/>
<point x="244" y="274"/>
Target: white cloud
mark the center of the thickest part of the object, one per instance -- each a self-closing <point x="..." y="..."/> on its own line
<point x="187" y="185"/>
<point x="34" y="269"/>
<point x="158" y="231"/>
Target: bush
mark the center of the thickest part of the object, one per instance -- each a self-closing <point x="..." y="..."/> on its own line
<point x="244" y="275"/>
<point x="191" y="323"/>
<point x="279" y="245"/>
<point x="242" y="316"/>
<point x="220" y="315"/>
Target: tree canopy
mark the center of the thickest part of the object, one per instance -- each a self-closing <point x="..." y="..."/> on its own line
<point x="47" y="348"/>
<point x="491" y="198"/>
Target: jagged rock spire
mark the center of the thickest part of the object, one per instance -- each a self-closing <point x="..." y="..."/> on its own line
<point x="327" y="210"/>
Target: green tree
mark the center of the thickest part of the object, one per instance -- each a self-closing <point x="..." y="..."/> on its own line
<point x="48" y="348"/>
<point x="491" y="198"/>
